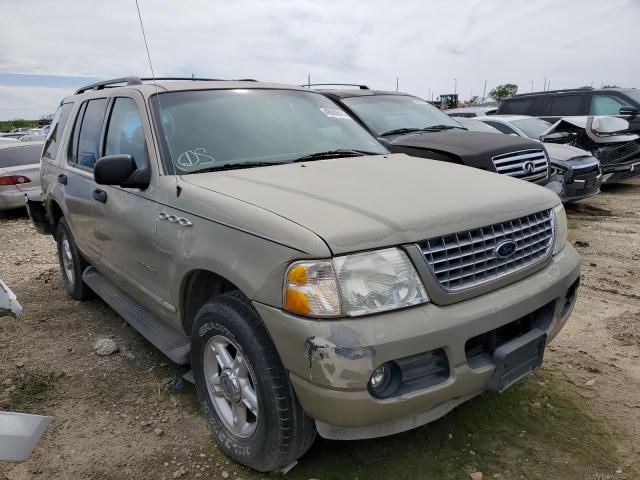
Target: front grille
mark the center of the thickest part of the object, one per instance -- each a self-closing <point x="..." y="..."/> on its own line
<point x="527" y="164"/>
<point x="586" y="172"/>
<point x="617" y="153"/>
<point x="466" y="259"/>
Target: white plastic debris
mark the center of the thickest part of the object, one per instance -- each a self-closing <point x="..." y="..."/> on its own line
<point x="9" y="305"/>
<point x="19" y="434"/>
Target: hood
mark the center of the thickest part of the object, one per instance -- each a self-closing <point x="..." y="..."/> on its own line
<point x="473" y="148"/>
<point x="376" y="201"/>
<point x="564" y="153"/>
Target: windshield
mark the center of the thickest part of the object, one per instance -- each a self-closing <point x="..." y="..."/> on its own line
<point x="241" y="128"/>
<point x="634" y="95"/>
<point x="386" y="113"/>
<point x="532" y="127"/>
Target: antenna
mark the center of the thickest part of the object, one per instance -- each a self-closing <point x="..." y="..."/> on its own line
<point x="155" y="83"/>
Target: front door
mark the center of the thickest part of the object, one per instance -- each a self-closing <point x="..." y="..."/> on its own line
<point x="126" y="217"/>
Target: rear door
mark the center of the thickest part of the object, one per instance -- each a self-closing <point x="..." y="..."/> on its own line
<point x="126" y="217"/>
<point x="76" y="177"/>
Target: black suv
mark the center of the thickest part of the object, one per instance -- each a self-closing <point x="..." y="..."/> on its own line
<point x="407" y="124"/>
<point x="554" y="104"/>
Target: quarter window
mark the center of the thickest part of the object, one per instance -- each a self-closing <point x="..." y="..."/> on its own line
<point x="517" y="107"/>
<point x="88" y="138"/>
<point x="125" y="134"/>
<point x="605" y="105"/>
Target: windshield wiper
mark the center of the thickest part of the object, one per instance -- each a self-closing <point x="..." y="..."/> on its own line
<point x="340" y="152"/>
<point x="234" y="166"/>
<point x="400" y="131"/>
<point x="443" y="127"/>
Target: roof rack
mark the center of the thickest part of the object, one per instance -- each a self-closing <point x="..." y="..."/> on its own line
<point x="139" y="81"/>
<point x="562" y="90"/>
<point x="361" y="87"/>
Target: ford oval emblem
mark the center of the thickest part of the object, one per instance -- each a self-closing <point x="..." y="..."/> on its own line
<point x="505" y="249"/>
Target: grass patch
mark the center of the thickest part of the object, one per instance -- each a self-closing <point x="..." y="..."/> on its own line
<point x="31" y="389"/>
<point x="530" y="431"/>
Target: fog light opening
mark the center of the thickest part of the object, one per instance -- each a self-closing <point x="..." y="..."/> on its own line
<point x="384" y="380"/>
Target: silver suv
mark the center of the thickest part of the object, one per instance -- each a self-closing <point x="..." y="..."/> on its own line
<point x="314" y="281"/>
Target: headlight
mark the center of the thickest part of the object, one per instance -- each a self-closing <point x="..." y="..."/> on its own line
<point x="367" y="283"/>
<point x="560" y="228"/>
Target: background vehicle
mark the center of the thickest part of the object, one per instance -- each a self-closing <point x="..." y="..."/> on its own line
<point x="470" y="112"/>
<point x="261" y="234"/>
<point x="408" y="124"/>
<point x="552" y="105"/>
<point x="19" y="173"/>
<point x="575" y="173"/>
<point x="7" y="140"/>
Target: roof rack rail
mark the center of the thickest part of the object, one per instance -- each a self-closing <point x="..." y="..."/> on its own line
<point x="106" y="83"/>
<point x="561" y="90"/>
<point x="361" y="87"/>
<point x="139" y="80"/>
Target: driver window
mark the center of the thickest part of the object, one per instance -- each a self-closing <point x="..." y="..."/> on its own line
<point x="125" y="134"/>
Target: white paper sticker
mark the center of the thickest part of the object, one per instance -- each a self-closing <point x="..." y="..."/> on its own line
<point x="335" y="113"/>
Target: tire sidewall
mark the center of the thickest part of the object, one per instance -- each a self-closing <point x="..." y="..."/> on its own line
<point x="220" y="319"/>
<point x="72" y="289"/>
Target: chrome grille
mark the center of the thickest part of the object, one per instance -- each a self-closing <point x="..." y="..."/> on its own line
<point x="466" y="259"/>
<point x="526" y="164"/>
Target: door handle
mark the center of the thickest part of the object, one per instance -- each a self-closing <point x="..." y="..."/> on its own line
<point x="100" y="195"/>
<point x="62" y="178"/>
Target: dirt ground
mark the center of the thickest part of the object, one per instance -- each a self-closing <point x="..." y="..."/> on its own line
<point x="123" y="416"/>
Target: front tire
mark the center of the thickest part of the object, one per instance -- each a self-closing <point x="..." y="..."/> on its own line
<point x="243" y="387"/>
<point x="71" y="263"/>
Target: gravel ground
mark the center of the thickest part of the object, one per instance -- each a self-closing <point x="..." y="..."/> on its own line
<point x="119" y="417"/>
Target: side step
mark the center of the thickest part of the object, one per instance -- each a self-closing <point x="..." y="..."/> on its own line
<point x="174" y="345"/>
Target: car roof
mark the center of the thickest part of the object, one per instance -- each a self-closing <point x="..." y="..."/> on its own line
<point x="505" y="117"/>
<point x="19" y="144"/>
<point x="357" y="92"/>
<point x="471" y="109"/>
<point x="149" y="88"/>
<point x="568" y="90"/>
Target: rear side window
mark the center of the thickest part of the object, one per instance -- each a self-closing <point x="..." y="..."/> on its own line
<point x="22" y="155"/>
<point x="564" y="105"/>
<point x="86" y="139"/>
<point x="517" y="107"/>
<point x="124" y="133"/>
<point x="57" y="129"/>
<point x="605" y="105"/>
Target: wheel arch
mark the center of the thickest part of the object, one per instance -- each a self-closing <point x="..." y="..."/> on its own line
<point x="197" y="287"/>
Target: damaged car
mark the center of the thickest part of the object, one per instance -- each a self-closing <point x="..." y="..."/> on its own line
<point x="607" y="138"/>
<point x="575" y="173"/>
<point x="407" y="124"/>
<point x="314" y="281"/>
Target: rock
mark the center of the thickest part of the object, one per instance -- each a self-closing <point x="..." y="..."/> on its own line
<point x="225" y="474"/>
<point x="593" y="264"/>
<point x="476" y="476"/>
<point x="105" y="346"/>
<point x="159" y="432"/>
<point x="581" y="243"/>
<point x="180" y="472"/>
<point x="590" y="383"/>
<point x="19" y="364"/>
<point x="8" y="382"/>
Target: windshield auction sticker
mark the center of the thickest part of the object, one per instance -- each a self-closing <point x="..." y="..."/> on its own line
<point x="334" y="113"/>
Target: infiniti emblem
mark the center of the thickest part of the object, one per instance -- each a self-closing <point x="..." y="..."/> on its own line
<point x="505" y="249"/>
<point x="528" y="167"/>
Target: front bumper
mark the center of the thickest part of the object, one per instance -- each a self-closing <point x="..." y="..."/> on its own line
<point x="10" y="199"/>
<point x="330" y="361"/>
<point x="613" y="173"/>
<point x="570" y="189"/>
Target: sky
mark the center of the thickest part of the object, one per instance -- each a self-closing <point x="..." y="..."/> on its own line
<point x="49" y="48"/>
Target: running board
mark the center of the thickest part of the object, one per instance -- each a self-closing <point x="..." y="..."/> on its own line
<point x="174" y="345"/>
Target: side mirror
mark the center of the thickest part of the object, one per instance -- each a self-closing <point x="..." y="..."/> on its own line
<point x="121" y="170"/>
<point x="628" y="110"/>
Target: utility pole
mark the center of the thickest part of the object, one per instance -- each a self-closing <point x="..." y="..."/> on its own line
<point x="309" y="80"/>
<point x="484" y="91"/>
<point x="532" y="86"/>
<point x="544" y="85"/>
<point x="397" y="83"/>
<point x="455" y="86"/>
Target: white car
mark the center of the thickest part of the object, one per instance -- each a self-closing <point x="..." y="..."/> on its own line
<point x="19" y="174"/>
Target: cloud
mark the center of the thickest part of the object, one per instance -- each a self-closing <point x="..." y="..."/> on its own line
<point x="425" y="44"/>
